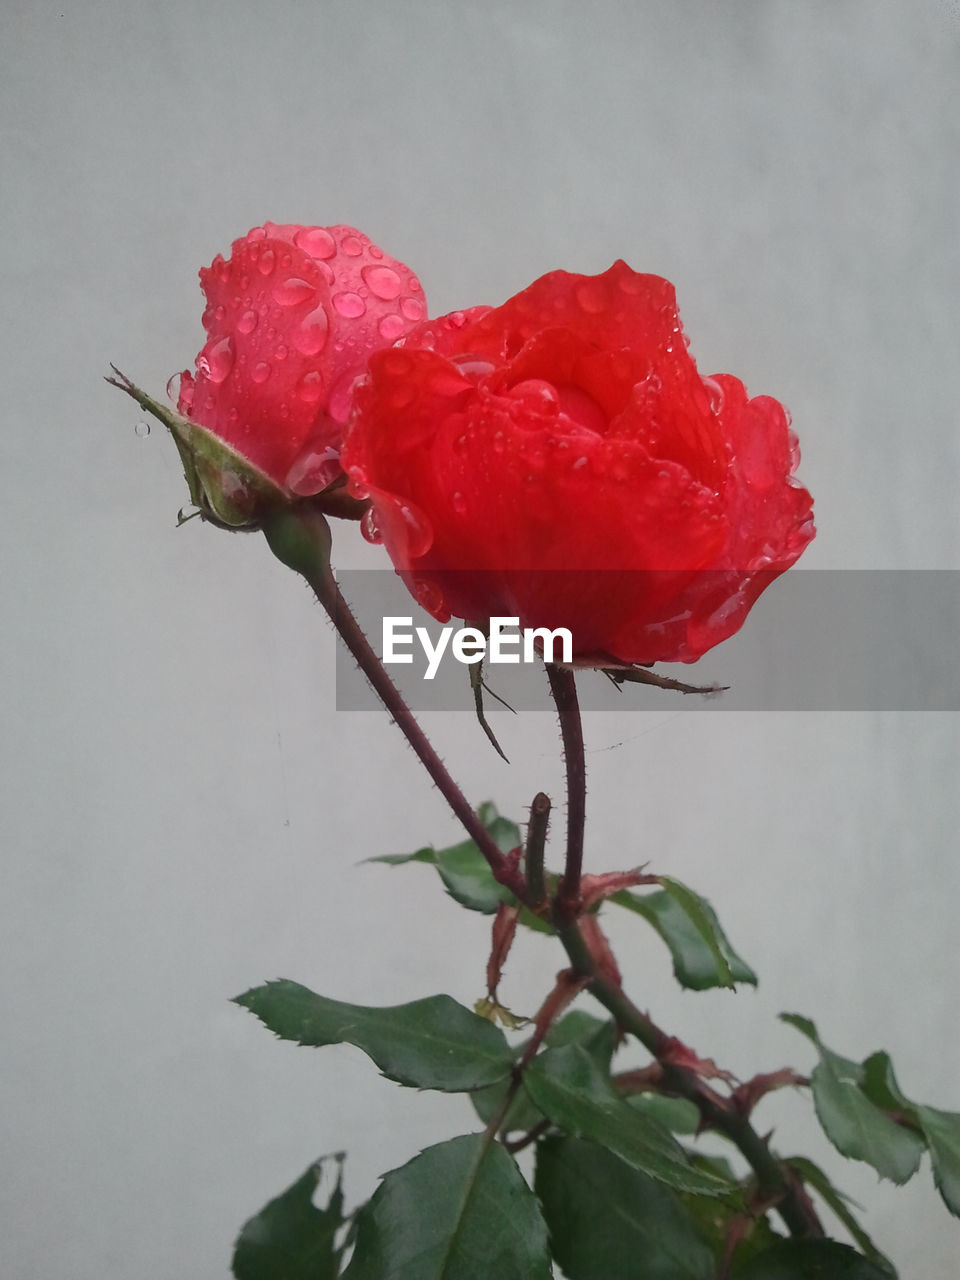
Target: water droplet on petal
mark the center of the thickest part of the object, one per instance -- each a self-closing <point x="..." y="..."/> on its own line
<point x="267" y="262"/>
<point x="412" y="308"/>
<point x="310" y="387"/>
<point x="715" y="392"/>
<point x="351" y="246"/>
<point x="173" y="388"/>
<point x="292" y="291"/>
<point x="247" y="322"/>
<point x="459" y="503"/>
<point x="429" y="595"/>
<point x="391" y="327"/>
<point x="142" y="429"/>
<point x="341" y="396"/>
<point x="310" y="336"/>
<point x="473" y="366"/>
<point x="419" y="532"/>
<point x="383" y="282"/>
<point x="580" y="463"/>
<point x="350" y="305"/>
<point x="260" y="372"/>
<point x="370" y="528"/>
<point x="538" y="394"/>
<point x="258" y="233"/>
<point x="314" y="468"/>
<point x="315" y="241"/>
<point x="216" y="361"/>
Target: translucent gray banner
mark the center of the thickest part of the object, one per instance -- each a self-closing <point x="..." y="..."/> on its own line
<point x="832" y="640"/>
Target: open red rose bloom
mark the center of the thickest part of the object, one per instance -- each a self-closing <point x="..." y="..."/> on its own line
<point x="291" y="318"/>
<point x="560" y="459"/>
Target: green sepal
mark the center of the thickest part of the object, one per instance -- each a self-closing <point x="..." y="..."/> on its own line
<point x="226" y="488"/>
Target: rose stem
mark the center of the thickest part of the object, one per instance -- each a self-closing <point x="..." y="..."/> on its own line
<point x="794" y="1209"/>
<point x="300" y="538"/>
<point x="563" y="687"/>
<point x="535" y="847"/>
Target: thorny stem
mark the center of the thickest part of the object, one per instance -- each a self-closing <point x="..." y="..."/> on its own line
<point x="715" y="1113"/>
<point x="536" y="846"/>
<point x="297" y="538"/>
<point x="300" y="539"/>
<point x="563" y="687"/>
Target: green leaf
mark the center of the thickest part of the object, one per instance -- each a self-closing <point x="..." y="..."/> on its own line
<point x="814" y="1177"/>
<point x="679" y="1115"/>
<point x="701" y="952"/>
<point x="427" y="1044"/>
<point x="716" y="1220"/>
<point x="855" y="1126"/>
<point x="942" y="1132"/>
<point x="291" y="1239"/>
<point x="810" y="1260"/>
<point x="462" y="867"/>
<point x="457" y="1211"/>
<point x="598" y="1038"/>
<point x="940" y="1129"/>
<point x="607" y="1219"/>
<point x="577" y="1096"/>
<point x="466" y="873"/>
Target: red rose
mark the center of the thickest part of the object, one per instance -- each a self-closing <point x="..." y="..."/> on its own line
<point x="292" y="318"/>
<point x="560" y="459"/>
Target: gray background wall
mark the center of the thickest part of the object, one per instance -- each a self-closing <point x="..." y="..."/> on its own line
<point x="185" y="809"/>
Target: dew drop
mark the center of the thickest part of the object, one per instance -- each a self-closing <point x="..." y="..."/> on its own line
<point x="580" y="463"/>
<point x="715" y="392"/>
<point x="473" y="366"/>
<point x="292" y="291"/>
<point x="216" y="361"/>
<point x="247" y="322"/>
<point x="383" y="282"/>
<point x="267" y="262"/>
<point x="350" y="305"/>
<point x="315" y="241"/>
<point x="429" y="595"/>
<point x="537" y="394"/>
<point x="370" y="528"/>
<point x="260" y="372"/>
<point x="498" y="442"/>
<point x="351" y="246"/>
<point x="173" y="388"/>
<point x="310" y="387"/>
<point x="314" y="468"/>
<point x="418" y="531"/>
<point x="412" y="308"/>
<point x="341" y="396"/>
<point x="142" y="429"/>
<point x="391" y="327"/>
<point x="459" y="503"/>
<point x="310" y="336"/>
